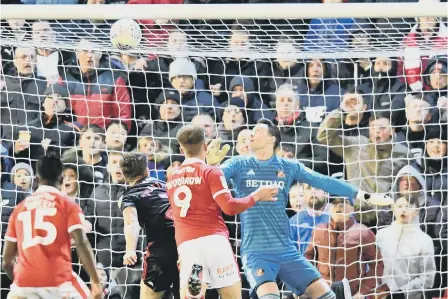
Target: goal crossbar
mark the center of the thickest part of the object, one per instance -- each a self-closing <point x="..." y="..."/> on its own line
<point x="225" y="11"/>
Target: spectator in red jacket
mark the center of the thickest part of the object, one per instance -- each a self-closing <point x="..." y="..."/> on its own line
<point x="98" y="94"/>
<point x="429" y="32"/>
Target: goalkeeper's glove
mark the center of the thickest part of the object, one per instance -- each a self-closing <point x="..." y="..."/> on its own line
<point x="215" y="154"/>
<point x="374" y="199"/>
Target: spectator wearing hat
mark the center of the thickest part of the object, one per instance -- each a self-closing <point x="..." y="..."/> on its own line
<point x="234" y="119"/>
<point x="297" y="132"/>
<point x="22" y="175"/>
<point x="434" y="167"/>
<point x="436" y="78"/>
<point x="156" y="152"/>
<point x="243" y="88"/>
<point x="410" y="181"/>
<point x="183" y="77"/>
<point x="20" y="95"/>
<point x="434" y="164"/>
<point x="344" y="248"/>
<point x="407" y="252"/>
<point x="169" y="122"/>
<point x="54" y="129"/>
<point x="11" y="195"/>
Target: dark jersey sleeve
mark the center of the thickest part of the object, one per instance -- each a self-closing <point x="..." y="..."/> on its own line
<point x="126" y="201"/>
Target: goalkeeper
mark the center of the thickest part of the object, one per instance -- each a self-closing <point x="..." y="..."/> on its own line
<point x="267" y="250"/>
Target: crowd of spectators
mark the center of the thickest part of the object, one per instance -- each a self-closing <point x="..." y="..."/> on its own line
<point x="379" y="123"/>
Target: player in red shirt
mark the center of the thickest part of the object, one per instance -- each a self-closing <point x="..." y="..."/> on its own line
<point x="39" y="233"/>
<point x="197" y="194"/>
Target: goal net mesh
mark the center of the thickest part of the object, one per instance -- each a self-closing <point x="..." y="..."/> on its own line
<point x="342" y="91"/>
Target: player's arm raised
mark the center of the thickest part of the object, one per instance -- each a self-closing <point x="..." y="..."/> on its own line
<point x="338" y="187"/>
<point x="87" y="259"/>
<point x="131" y="233"/>
<point x="230" y="205"/>
<point x="9" y="256"/>
<point x="75" y="223"/>
<point x="10" y="247"/>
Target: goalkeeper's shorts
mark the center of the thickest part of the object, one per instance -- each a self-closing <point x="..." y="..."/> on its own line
<point x="75" y="289"/>
<point x="293" y="269"/>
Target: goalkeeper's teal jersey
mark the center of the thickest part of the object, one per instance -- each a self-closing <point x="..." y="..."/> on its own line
<point x="265" y="227"/>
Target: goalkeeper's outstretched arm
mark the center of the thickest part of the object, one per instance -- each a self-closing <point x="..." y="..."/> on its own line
<point x="338" y="187"/>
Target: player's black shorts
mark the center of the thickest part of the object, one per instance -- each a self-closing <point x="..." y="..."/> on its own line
<point x="160" y="270"/>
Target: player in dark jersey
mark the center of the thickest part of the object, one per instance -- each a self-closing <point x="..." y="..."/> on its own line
<point x="145" y="205"/>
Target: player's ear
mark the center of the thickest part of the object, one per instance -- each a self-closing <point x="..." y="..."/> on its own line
<point x="146" y="172"/>
<point x="205" y="147"/>
<point x="181" y="150"/>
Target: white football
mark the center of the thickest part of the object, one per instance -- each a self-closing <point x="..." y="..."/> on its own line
<point x="125" y="34"/>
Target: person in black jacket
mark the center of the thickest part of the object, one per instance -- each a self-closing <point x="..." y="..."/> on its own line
<point x="55" y="128"/>
<point x="297" y="132"/>
<point x="20" y="100"/>
<point x="110" y="243"/>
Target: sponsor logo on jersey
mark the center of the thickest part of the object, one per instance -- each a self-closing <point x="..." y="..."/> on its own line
<point x="260" y="183"/>
<point x="280" y="174"/>
<point x="259" y="272"/>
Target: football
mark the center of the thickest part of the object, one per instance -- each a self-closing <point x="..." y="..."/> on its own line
<point x="125" y="34"/>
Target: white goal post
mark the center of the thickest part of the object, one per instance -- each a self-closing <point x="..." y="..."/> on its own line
<point x="208" y="45"/>
<point x="271" y="34"/>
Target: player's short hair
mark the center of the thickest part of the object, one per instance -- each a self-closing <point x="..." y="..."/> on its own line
<point x="191" y="138"/>
<point x="133" y="165"/>
<point x="273" y="130"/>
<point x="50" y="168"/>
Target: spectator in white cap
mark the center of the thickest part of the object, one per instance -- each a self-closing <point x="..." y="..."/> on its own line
<point x="183" y="77"/>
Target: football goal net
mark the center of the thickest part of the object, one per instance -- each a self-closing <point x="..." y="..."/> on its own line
<point x="359" y="92"/>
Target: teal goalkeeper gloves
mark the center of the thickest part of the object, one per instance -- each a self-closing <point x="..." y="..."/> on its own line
<point x="215" y="154"/>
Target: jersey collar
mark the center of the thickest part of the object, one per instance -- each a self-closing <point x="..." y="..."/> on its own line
<point x="45" y="188"/>
<point x="189" y="161"/>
